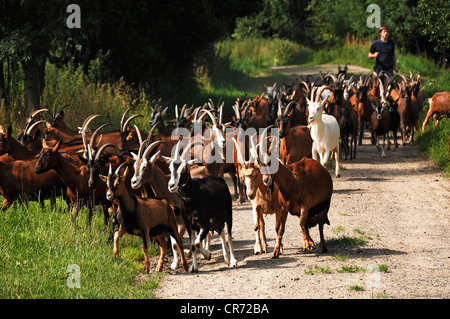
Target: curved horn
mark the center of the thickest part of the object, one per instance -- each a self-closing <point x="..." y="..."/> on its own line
<point x="100" y="150"/>
<point x="238" y="152"/>
<point x="152" y="130"/>
<point x="221" y="112"/>
<point x="34" y="113"/>
<point x="151" y="147"/>
<point x="119" y="168"/>
<point x="320" y="90"/>
<point x="62" y="108"/>
<point x="418" y="75"/>
<point x="124" y="115"/>
<point x="54" y="110"/>
<point x="94" y="135"/>
<point x="183" y="110"/>
<point x="28" y="131"/>
<point x="124" y="127"/>
<point x="236" y="110"/>
<point x="403" y="77"/>
<point x="88" y="120"/>
<point x="332" y="76"/>
<point x="213" y="119"/>
<point x="288" y="107"/>
<point x="139" y="135"/>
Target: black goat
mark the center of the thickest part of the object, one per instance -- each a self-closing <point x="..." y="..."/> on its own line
<point x="208" y="206"/>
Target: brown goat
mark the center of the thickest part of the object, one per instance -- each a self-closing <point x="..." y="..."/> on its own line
<point x="75" y="176"/>
<point x="305" y="190"/>
<point x="9" y="145"/>
<point x="296" y="141"/>
<point x="18" y="180"/>
<point x="145" y="217"/>
<point x="264" y="201"/>
<point x="439" y="104"/>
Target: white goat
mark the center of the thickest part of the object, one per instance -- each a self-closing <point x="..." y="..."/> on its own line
<point x="324" y="130"/>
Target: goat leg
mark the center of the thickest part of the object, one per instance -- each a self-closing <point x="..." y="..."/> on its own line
<point x="262" y="229"/>
<point x="74" y="214"/>
<point x="198" y="243"/>
<point x="233" y="261"/>
<point x="162" y="248"/>
<point x="256" y="220"/>
<point x="308" y="243"/>
<point x="226" y="250"/>
<point x="177" y="246"/>
<point x="323" y="247"/>
<point x="145" y="251"/>
<point x="194" y="266"/>
<point x="279" y="229"/>
<point x="117" y="236"/>
<point x="336" y="157"/>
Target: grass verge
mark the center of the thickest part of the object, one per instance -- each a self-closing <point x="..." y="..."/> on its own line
<point x="38" y="244"/>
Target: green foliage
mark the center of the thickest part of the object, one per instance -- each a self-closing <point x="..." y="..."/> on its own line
<point x="71" y="86"/>
<point x="253" y="55"/>
<point x="435" y="142"/>
<point x="435" y="16"/>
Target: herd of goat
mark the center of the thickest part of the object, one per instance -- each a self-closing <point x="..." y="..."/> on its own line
<point x="154" y="186"/>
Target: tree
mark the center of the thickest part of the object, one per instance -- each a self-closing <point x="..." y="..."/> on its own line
<point x="435" y="16"/>
<point x="28" y="30"/>
<point x="152" y="42"/>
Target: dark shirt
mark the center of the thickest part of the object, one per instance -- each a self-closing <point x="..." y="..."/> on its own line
<point x="386" y="57"/>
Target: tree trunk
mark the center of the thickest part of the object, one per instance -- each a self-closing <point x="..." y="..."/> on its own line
<point x="2" y="86"/>
<point x="34" y="83"/>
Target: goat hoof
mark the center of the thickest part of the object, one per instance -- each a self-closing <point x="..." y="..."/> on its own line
<point x="308" y="245"/>
<point x="233" y="263"/>
<point x="193" y="269"/>
<point x="207" y="256"/>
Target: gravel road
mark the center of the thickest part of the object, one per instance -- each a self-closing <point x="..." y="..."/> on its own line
<point x="389" y="213"/>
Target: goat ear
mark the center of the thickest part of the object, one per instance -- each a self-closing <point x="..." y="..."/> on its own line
<point x="135" y="157"/>
<point x="57" y="146"/>
<point x="125" y="173"/>
<point x="167" y="159"/>
<point x="155" y="157"/>
<point x="103" y="178"/>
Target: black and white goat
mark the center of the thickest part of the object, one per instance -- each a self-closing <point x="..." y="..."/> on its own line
<point x="208" y="206"/>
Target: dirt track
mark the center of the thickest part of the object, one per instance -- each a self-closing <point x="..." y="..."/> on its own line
<point x="399" y="205"/>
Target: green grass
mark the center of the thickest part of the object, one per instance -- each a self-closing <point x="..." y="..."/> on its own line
<point x="37" y="244"/>
<point x="347" y="241"/>
<point x="313" y="270"/>
<point x="434" y="142"/>
<point x="356" y="288"/>
<point x="351" y="269"/>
